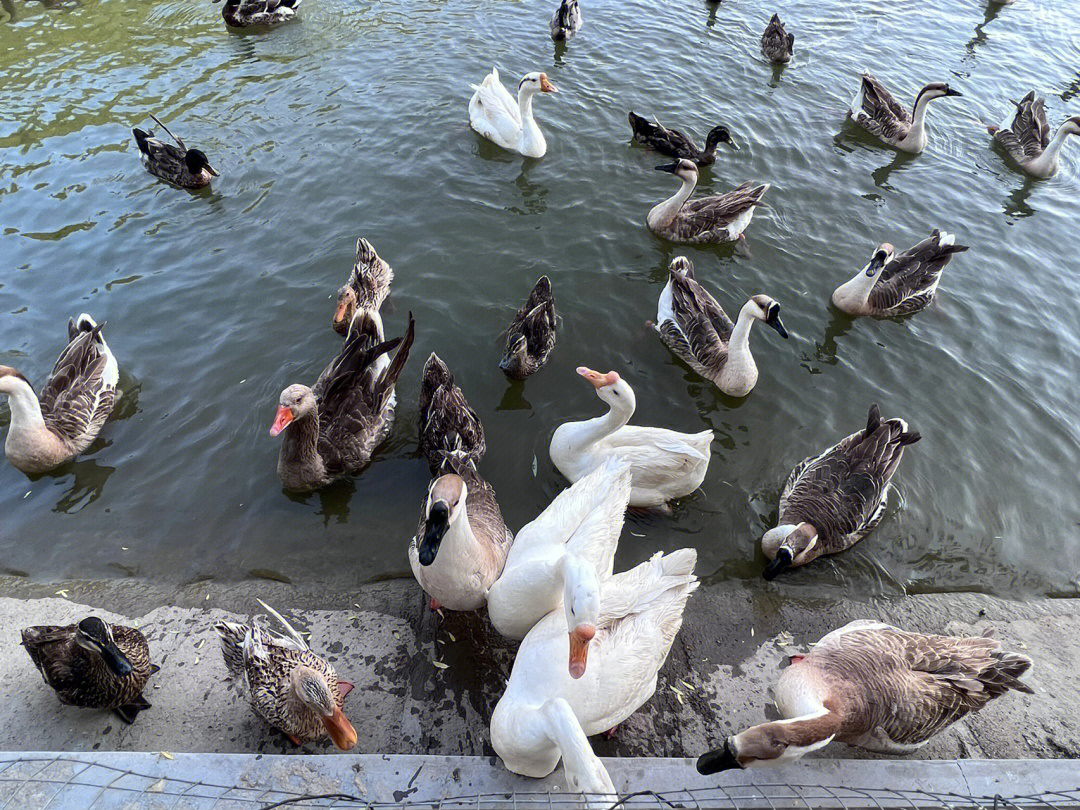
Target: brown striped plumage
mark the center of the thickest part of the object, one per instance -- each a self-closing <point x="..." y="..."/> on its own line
<point x="531" y="336"/>
<point x="777" y="45"/>
<point x="447" y="424"/>
<point x="366" y="288"/>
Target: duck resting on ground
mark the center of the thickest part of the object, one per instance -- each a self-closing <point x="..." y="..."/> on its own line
<point x="183" y="167"/>
<point x="1026" y="137"/>
<point x="665" y="464"/>
<point x="890" y="286"/>
<point x="245" y="13"/>
<point x="566" y="21"/>
<point x="531" y="336"/>
<point x="832" y="501"/>
<point x="334" y="427"/>
<point x="876" y="111"/>
<point x="695" y="327"/>
<point x="55" y="427"/>
<point x="507" y="122"/>
<point x="93" y="664"/>
<point x="777" y="45"/>
<point x="704" y="219"/>
<point x="674" y="143"/>
<point x="876" y="687"/>
<point x="366" y="288"/>
<point x="290" y="687"/>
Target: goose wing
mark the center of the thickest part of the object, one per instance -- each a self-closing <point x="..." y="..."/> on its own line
<point x="706" y="213"/>
<point x="913" y="275"/>
<point x="447" y="423"/>
<point x="79" y="397"/>
<point x="703" y="323"/>
<point x="493" y="112"/>
<point x="371" y="276"/>
<point x="536" y="320"/>
<point x="1030" y="125"/>
<point x="882" y="115"/>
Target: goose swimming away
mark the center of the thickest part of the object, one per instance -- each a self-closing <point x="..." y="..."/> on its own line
<point x="1026" y="137"/>
<point x="566" y="21"/>
<point x="777" y="45"/>
<point x="531" y="336"/>
<point x="497" y="116"/>
<point x="898" y="285"/>
<point x="366" y="288"/>
<point x="876" y="111"/>
<point x="704" y="219"/>
<point x="183" y="167"/>
<point x="675" y="143"/>
<point x="695" y="327"/>
<point x="876" y="687"/>
<point x="246" y="13"/>
<point x="832" y="501"/>
<point x="55" y="427"/>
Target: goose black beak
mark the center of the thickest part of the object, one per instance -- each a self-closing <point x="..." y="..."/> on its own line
<point x="438" y="522"/>
<point x="950" y="92"/>
<point x="778" y="325"/>
<point x="782" y="561"/>
<point x="670" y="168"/>
<point x="722" y="759"/>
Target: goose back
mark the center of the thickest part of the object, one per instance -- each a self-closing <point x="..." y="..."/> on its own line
<point x="879" y="113"/>
<point x="909" y="282"/>
<point x="535" y="325"/>
<point x="447" y="423"/>
<point x="81" y="391"/>
<point x="716" y="219"/>
<point x="693" y="324"/>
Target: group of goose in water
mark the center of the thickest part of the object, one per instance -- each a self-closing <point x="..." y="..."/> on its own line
<point x="553" y="586"/>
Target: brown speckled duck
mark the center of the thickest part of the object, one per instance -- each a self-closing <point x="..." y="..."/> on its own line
<point x="777" y="45"/>
<point x="447" y="423"/>
<point x="367" y="286"/>
<point x="246" y="13"/>
<point x="531" y="336"/>
<point x="677" y="144"/>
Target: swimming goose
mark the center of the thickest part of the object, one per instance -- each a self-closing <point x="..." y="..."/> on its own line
<point x="876" y="111"/>
<point x="93" y="664"/>
<point x="566" y="21"/>
<point x="777" y="45"/>
<point x="665" y="464"/>
<point x="495" y="114"/>
<point x="366" y="288"/>
<point x="545" y="714"/>
<point x="675" y="143"/>
<point x="334" y="427"/>
<point x="183" y="167"/>
<point x="245" y="13"/>
<point x="562" y="556"/>
<point x="531" y="336"/>
<point x="447" y="423"/>
<point x="876" y="687"/>
<point x="1026" y="137"/>
<point x="695" y="327"/>
<point x="832" y="501"/>
<point x="705" y="219"/>
<point x="53" y="428"/>
<point x="288" y="686"/>
<point x="906" y="284"/>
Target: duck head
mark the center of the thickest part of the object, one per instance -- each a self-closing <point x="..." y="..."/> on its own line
<point x="296" y="402"/>
<point x="513" y="359"/>
<point x="536" y="82"/>
<point x="445" y="503"/>
<point x="789" y="545"/>
<point x="197" y="162"/>
<point x="346" y="308"/>
<point x="685" y="170"/>
<point x="766" y="309"/>
<point x="882" y="256"/>
<point x="611" y="388"/>
<point x="581" y="600"/>
<point x="311" y="689"/>
<point x="95" y="636"/>
<point x="717" y="135"/>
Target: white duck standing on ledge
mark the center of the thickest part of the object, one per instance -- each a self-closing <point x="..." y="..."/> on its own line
<point x="495" y="114"/>
<point x="664" y="464"/>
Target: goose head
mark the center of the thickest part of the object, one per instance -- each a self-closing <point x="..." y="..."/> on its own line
<point x="766" y="309"/>
<point x="882" y="256"/>
<point x="197" y="162"/>
<point x="581" y="600"/>
<point x="536" y="82"/>
<point x="445" y="503"/>
<point x="685" y="170"/>
<point x="296" y="402"/>
<point x="758" y="744"/>
<point x="12" y="380"/>
<point x="789" y="545"/>
<point x="96" y="637"/>
<point x="610" y="387"/>
<point x="717" y="135"/>
<point x="936" y="90"/>
<point x="312" y="690"/>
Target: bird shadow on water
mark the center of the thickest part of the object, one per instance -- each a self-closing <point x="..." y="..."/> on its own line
<point x="710" y="7"/>
<point x="514" y="398"/>
<point x="825" y="350"/>
<point x="900" y="161"/>
<point x="87" y="483"/>
<point x="333" y="500"/>
<point x="1016" y="203"/>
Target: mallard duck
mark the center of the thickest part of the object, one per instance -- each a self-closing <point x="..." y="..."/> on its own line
<point x="705" y="219"/>
<point x="777" y="45"/>
<point x="1026" y="137"/>
<point x="833" y="500"/>
<point x="531" y="336"/>
<point x="288" y="686"/>
<point x="562" y="557"/>
<point x="336" y="426"/>
<point x="245" y="13"/>
<point x="695" y="327"/>
<point x="876" y="687"/>
<point x="566" y="21"/>
<point x="545" y="713"/>
<point x="447" y="423"/>
<point x="78" y="397"/>
<point x="675" y="143"/>
<point x="183" y="167"/>
<point x="906" y="284"/>
<point x="495" y="114"/>
<point x="366" y="288"/>
<point x="93" y="664"/>
<point x="665" y="464"/>
<point x="876" y="111"/>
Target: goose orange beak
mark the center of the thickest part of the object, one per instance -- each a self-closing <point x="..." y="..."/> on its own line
<point x="283" y="420"/>
<point x="546" y="86"/>
<point x="342" y="317"/>
<point x="341" y="731"/>
<point x="596" y="378"/>
<point x="580" y="637"/>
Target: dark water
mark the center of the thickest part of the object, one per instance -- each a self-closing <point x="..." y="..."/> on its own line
<point x="351" y="121"/>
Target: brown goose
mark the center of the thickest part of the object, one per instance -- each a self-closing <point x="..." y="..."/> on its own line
<point x="876" y="111"/>
<point x="1027" y="137"/>
<point x="52" y="429"/>
<point x="906" y="283"/>
<point x="336" y="426"/>
<point x="704" y="220"/>
<point x="876" y="687"/>
<point x="93" y="664"/>
<point x="366" y="288"/>
<point x="777" y="45"/>
<point x="677" y="144"/>
<point x="289" y="686"/>
<point x="832" y="501"/>
<point x="447" y="423"/>
<point x="531" y="336"/>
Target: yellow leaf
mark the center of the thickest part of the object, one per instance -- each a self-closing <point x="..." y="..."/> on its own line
<point x="167" y="755"/>
<point x="441" y="665"/>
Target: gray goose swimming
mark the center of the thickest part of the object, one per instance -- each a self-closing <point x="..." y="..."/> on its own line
<point x="531" y="336"/>
<point x="677" y="144"/>
<point x="876" y="687"/>
<point x="890" y="286"/>
<point x="566" y="21"/>
<point x="55" y="427"/>
<point x="832" y="501"/>
<point x="777" y="45"/>
<point x="1027" y="137"/>
<point x="366" y="288"/>
<point x="334" y="427"/>
<point x="704" y="219"/>
<point x="876" y="111"/>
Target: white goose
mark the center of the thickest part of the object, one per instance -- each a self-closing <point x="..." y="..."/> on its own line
<point x="545" y="714"/>
<point x="665" y="464"/>
<point x="495" y="114"/>
<point x="562" y="556"/>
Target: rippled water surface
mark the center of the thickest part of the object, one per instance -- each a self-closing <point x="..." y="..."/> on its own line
<point x="351" y="121"/>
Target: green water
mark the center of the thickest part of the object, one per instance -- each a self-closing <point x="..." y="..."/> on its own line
<point x="350" y="121"/>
